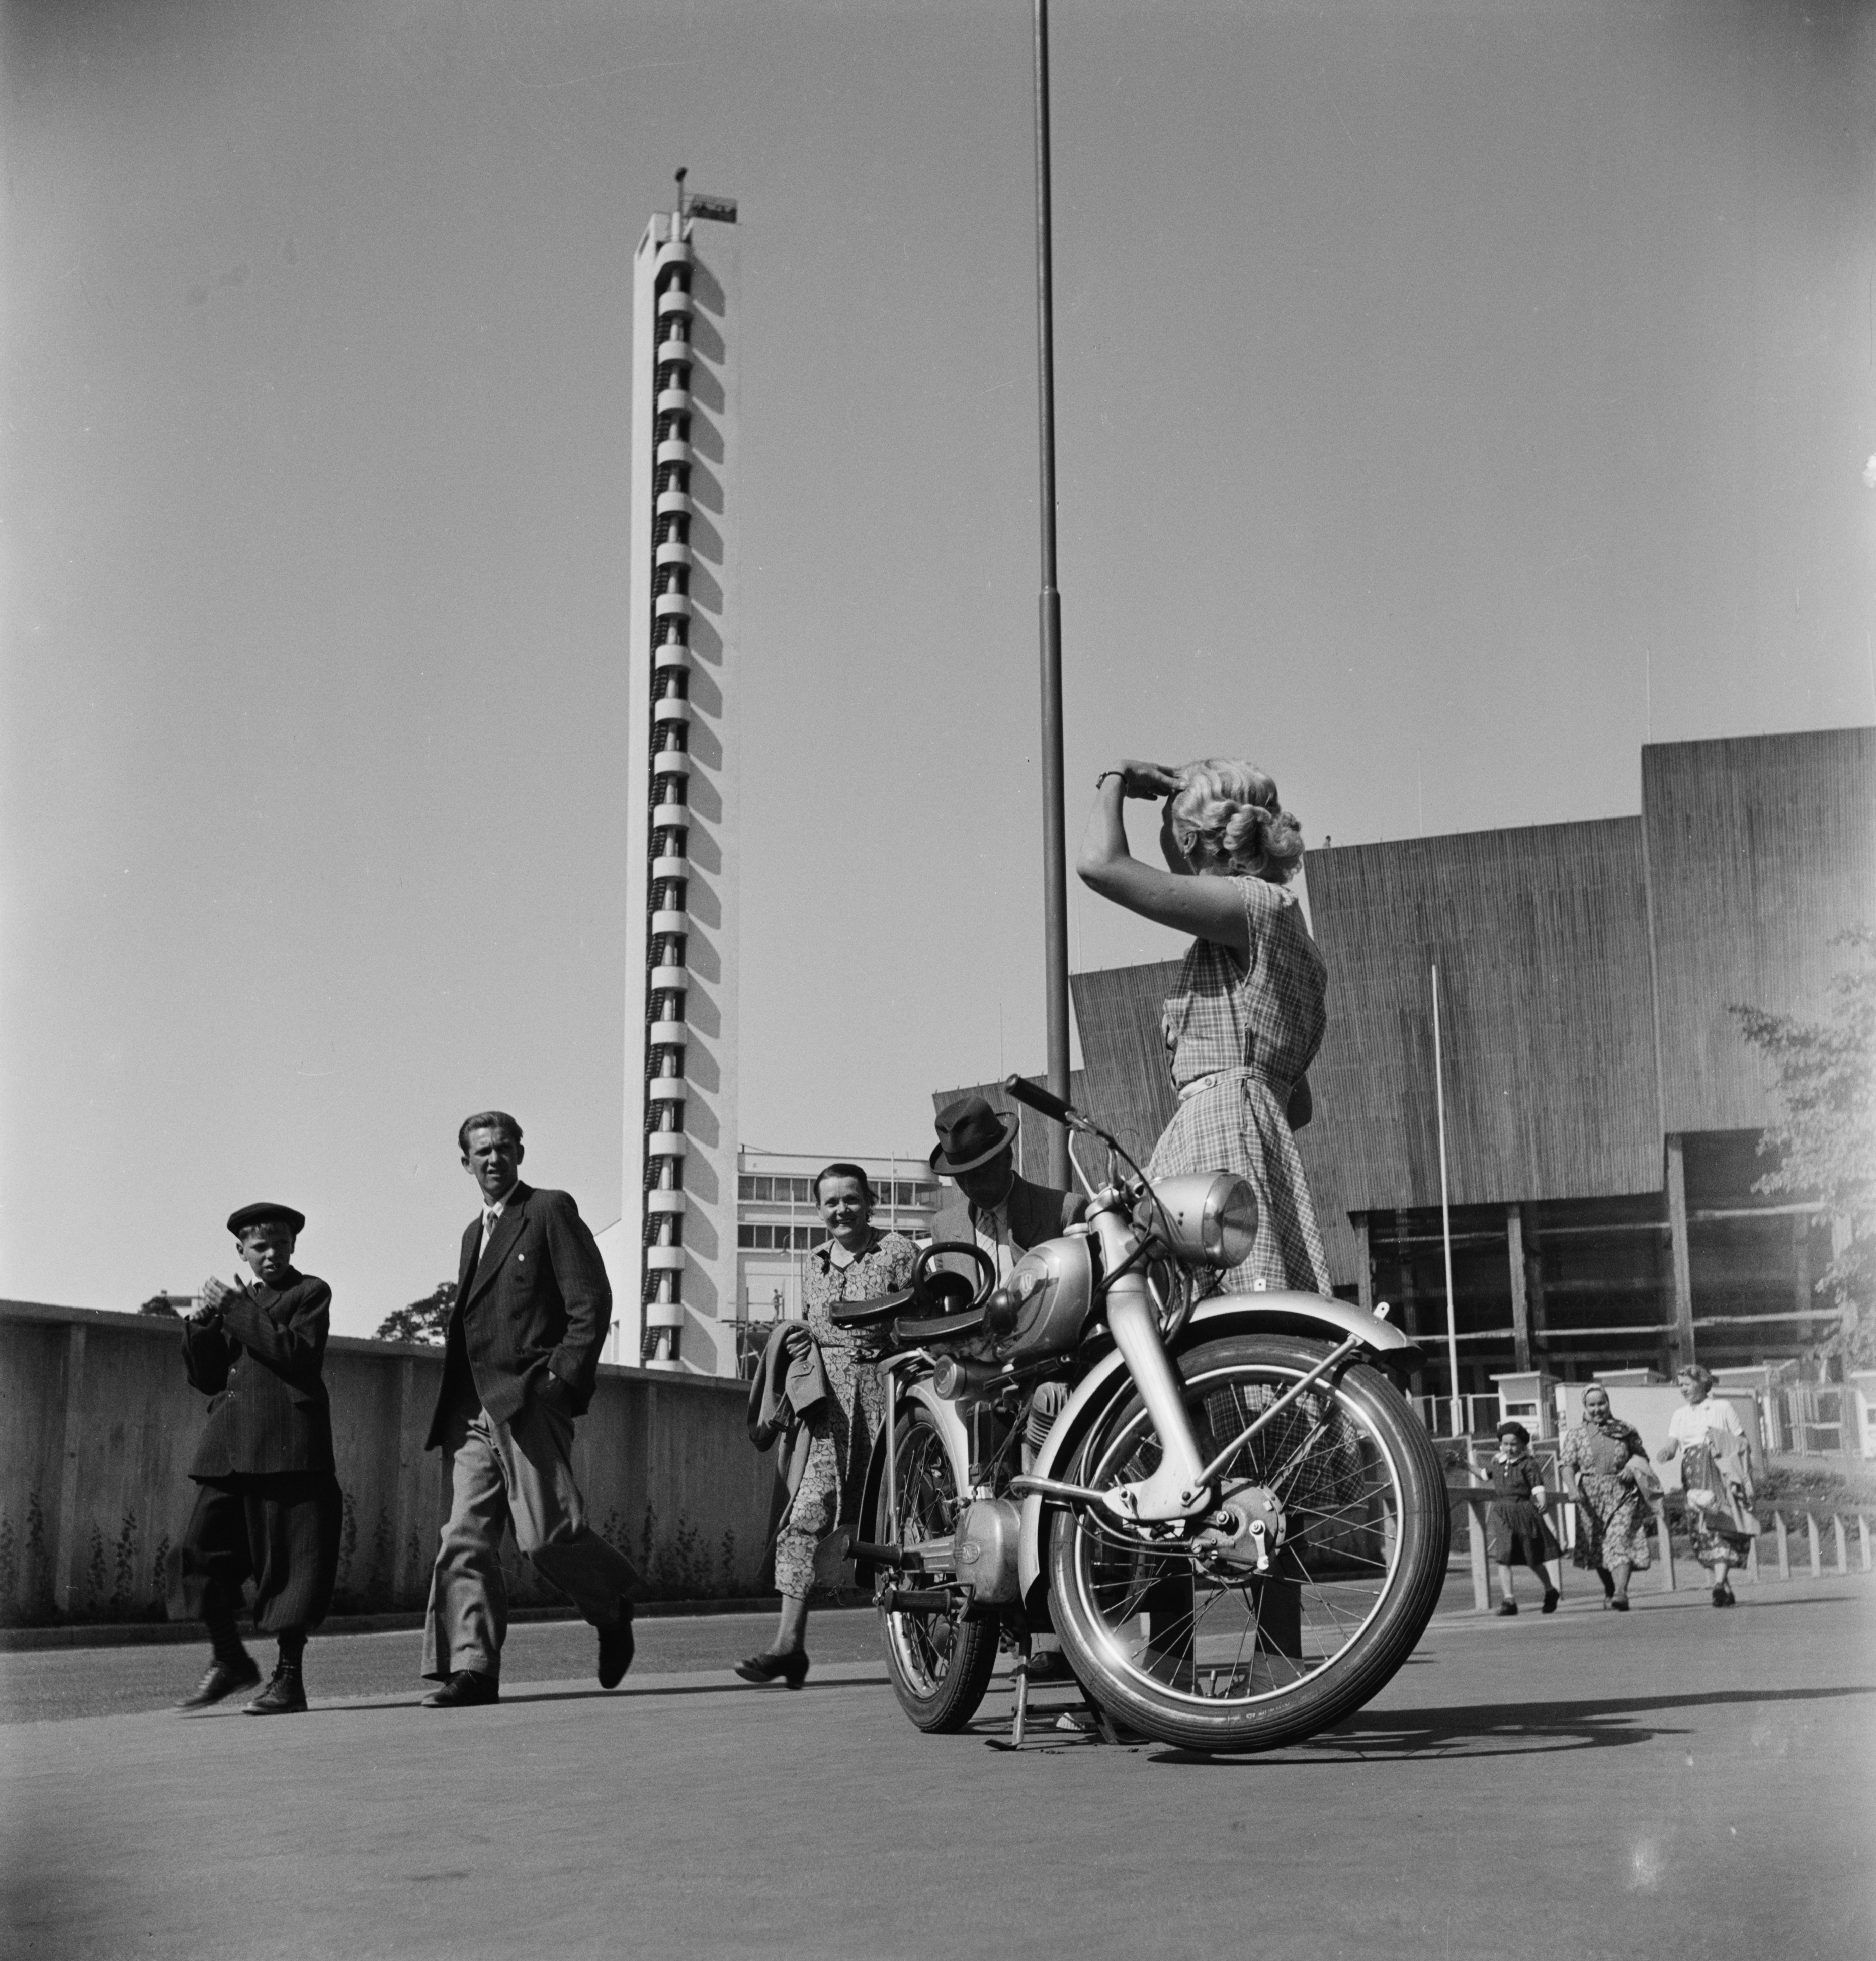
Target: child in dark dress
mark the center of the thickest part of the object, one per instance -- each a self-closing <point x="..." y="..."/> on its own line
<point x="1516" y="1532"/>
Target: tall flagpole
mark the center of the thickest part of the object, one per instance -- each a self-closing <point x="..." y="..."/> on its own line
<point x="1446" y="1216"/>
<point x="1055" y="872"/>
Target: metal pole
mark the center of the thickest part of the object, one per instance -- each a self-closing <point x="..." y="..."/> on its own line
<point x="1055" y="867"/>
<point x="1446" y="1216"/>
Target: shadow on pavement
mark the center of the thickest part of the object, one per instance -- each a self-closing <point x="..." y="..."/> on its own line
<point x="625" y="1694"/>
<point x="1508" y="1729"/>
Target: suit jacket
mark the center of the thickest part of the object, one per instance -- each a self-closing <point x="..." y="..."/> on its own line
<point x="261" y="1366"/>
<point x="1036" y="1213"/>
<point x="538" y="1300"/>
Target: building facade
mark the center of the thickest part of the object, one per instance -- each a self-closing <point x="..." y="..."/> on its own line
<point x="672" y="1256"/>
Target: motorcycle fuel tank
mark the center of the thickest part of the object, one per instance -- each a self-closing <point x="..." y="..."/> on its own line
<point x="984" y="1550"/>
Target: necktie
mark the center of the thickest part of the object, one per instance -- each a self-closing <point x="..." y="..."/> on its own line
<point x="488" y="1221"/>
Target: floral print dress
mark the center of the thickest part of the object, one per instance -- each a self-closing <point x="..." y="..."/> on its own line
<point x="841" y="1432"/>
<point x="1611" y="1513"/>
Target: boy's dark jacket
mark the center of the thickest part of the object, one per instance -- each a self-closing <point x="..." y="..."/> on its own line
<point x="261" y="1368"/>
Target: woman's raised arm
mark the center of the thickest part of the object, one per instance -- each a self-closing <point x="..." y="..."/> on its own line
<point x="1208" y="908"/>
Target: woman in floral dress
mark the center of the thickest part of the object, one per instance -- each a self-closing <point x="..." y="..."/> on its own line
<point x="856" y="1262"/>
<point x="1611" y="1512"/>
<point x="1246" y="1016"/>
<point x="1716" y="1476"/>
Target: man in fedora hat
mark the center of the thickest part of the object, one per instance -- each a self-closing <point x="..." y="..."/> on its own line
<point x="1008" y="1215"/>
<point x="267" y="1506"/>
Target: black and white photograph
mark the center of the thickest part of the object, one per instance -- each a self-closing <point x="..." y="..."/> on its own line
<point x="937" y="979"/>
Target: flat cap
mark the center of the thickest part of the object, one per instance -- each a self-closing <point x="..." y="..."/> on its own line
<point x="264" y="1214"/>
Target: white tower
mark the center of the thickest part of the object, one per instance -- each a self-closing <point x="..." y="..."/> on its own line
<point x="674" y="1252"/>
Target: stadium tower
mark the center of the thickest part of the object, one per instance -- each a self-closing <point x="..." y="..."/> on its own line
<point x="674" y="1252"/>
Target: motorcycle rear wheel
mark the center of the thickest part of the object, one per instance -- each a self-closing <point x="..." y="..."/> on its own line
<point x="940" y="1667"/>
<point x="1221" y="1660"/>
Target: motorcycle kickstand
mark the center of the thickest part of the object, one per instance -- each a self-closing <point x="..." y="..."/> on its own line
<point x="1019" y="1717"/>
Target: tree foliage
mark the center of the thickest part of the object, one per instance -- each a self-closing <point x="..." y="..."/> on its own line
<point x="1825" y="1143"/>
<point x="427" y="1320"/>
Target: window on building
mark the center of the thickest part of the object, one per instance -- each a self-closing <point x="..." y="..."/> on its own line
<point x="745" y="1186"/>
<point x="805" y="1237"/>
<point x="746" y="1235"/>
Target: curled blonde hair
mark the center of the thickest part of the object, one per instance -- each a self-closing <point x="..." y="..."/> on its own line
<point x="1228" y="811"/>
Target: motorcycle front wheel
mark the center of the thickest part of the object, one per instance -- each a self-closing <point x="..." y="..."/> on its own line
<point x="941" y="1665"/>
<point x="1213" y="1657"/>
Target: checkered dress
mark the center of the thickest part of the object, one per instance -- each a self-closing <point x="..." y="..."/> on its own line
<point x="1239" y="1041"/>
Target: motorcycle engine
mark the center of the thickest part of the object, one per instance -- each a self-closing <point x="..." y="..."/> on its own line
<point x="984" y="1550"/>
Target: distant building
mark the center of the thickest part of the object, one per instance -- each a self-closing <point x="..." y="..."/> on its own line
<point x="671" y="1257"/>
<point x="1603" y="1111"/>
<point x="778" y="1223"/>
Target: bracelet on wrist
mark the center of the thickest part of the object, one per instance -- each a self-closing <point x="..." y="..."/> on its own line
<point x="1106" y="773"/>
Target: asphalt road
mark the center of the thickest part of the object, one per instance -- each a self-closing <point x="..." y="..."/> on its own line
<point x="1675" y="1782"/>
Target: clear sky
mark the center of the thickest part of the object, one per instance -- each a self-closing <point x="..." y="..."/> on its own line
<point x="1452" y="397"/>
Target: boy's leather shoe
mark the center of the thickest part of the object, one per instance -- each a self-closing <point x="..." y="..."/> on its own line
<point x="617" y="1645"/>
<point x="465" y="1689"/>
<point x="221" y="1680"/>
<point x="284" y="1695"/>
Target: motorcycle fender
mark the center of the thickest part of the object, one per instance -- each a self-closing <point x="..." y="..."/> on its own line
<point x="1306" y="1314"/>
<point x="951" y="1427"/>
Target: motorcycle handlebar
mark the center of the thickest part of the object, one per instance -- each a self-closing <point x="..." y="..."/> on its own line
<point x="1023" y="1091"/>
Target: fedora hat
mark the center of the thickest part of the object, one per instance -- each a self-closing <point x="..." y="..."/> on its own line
<point x="970" y="1134"/>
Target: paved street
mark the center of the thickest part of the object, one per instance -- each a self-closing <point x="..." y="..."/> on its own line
<point x="1678" y="1782"/>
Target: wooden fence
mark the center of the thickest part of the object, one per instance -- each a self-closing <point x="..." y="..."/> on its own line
<point x="100" y="1426"/>
<point x="1474" y="1498"/>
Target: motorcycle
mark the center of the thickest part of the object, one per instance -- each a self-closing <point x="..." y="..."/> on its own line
<point x="1222" y="1505"/>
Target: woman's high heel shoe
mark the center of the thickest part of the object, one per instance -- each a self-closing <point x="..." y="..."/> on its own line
<point x="791" y="1668"/>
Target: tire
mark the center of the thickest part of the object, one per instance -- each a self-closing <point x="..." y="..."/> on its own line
<point x="1350" y="1591"/>
<point x="940" y="1668"/>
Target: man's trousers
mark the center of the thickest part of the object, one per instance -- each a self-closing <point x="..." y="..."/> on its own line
<point x="281" y="1531"/>
<point x="518" y="1473"/>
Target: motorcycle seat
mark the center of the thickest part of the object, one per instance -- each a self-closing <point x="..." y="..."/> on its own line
<point x="870" y="1312"/>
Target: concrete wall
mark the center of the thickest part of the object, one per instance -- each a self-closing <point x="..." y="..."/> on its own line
<point x="100" y="1424"/>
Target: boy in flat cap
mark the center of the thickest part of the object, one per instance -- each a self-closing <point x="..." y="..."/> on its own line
<point x="267" y="1506"/>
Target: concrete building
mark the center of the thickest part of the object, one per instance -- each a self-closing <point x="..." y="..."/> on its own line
<point x="672" y="1255"/>
<point x="1603" y="1111"/>
<point x="777" y="1223"/>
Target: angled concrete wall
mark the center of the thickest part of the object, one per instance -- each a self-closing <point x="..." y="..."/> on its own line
<point x="101" y="1425"/>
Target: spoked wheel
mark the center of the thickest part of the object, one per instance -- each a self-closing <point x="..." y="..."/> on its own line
<point x="1204" y="1653"/>
<point x="940" y="1665"/>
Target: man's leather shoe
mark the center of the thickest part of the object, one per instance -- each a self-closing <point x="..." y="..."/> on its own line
<point x="617" y="1645"/>
<point x="465" y="1689"/>
<point x="221" y="1680"/>
<point x="284" y="1695"/>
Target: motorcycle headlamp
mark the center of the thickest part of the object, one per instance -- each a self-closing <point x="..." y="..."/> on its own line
<point x="1207" y="1216"/>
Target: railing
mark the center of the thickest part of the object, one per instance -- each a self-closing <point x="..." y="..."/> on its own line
<point x="1478" y="1415"/>
<point x="1476" y="1497"/>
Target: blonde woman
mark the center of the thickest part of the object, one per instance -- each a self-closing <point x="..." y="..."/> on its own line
<point x="1246" y="1016"/>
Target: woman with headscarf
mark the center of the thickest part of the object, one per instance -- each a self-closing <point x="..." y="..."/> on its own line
<point x="1594" y="1458"/>
<point x="1246" y="1016"/>
<point x="1715" y="1475"/>
<point x="856" y="1261"/>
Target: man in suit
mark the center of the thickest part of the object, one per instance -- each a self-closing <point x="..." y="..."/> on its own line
<point x="1008" y="1215"/>
<point x="268" y="1507"/>
<point x="519" y="1360"/>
